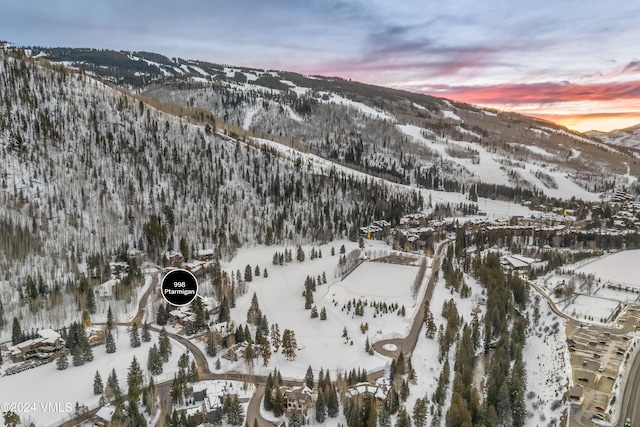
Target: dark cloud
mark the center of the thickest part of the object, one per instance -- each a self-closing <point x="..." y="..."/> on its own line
<point x="633" y="66"/>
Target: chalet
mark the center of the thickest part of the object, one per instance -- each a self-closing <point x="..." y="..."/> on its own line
<point x="181" y="316"/>
<point x="205" y="255"/>
<point x="47" y="344"/>
<point x="174" y="258"/>
<point x="118" y="268"/>
<point x="95" y="336"/>
<point x="377" y="391"/>
<point x="214" y="393"/>
<point x="103" y="416"/>
<point x="298" y="399"/>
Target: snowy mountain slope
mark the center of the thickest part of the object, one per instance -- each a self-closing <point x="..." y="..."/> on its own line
<point x="628" y="137"/>
<point x="91" y="170"/>
<point x="353" y="123"/>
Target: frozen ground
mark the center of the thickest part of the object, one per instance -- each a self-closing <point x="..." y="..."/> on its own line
<point x="46" y="385"/>
<point x="591" y="308"/>
<point x="320" y="343"/>
<point x="621" y="267"/>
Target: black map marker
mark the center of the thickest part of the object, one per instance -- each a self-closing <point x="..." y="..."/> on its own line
<point x="179" y="287"/>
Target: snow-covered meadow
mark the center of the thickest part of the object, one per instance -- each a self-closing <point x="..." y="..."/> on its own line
<point x="44" y="385"/>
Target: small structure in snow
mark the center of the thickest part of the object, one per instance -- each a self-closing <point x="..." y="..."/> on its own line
<point x="103" y="416"/>
<point x="576" y="394"/>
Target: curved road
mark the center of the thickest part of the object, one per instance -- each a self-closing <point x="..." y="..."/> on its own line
<point x="253" y="411"/>
<point x="408" y="344"/>
<point x="631" y="396"/>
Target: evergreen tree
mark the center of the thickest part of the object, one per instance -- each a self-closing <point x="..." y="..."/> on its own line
<point x="321" y="408"/>
<point x="248" y="277"/>
<point x="193" y="375"/>
<point x="146" y="335"/>
<point x="110" y="322"/>
<point x="16" y="332"/>
<point x="113" y="387"/>
<point x="264" y="273"/>
<point x="289" y="344"/>
<point x="90" y="301"/>
<point x="267" y="402"/>
<point x="420" y="413"/>
<point x="308" y="298"/>
<point x="87" y="353"/>
<point x="11" y="419"/>
<point x="63" y="360"/>
<point x="110" y="343"/>
<point x="77" y="358"/>
<point x="333" y="405"/>
<point x="249" y="354"/>
<point x="162" y="316"/>
<point x="234" y="411"/>
<point x="154" y="361"/>
<point x="275" y="337"/>
<point x="403" y="419"/>
<point x="134" y="381"/>
<point x="211" y="344"/>
<point x="257" y="271"/>
<point x="299" y="254"/>
<point x="118" y="418"/>
<point x="308" y="378"/>
<point x="265" y="349"/>
<point x="384" y="418"/>
<point x="134" y="335"/>
<point x="98" y="387"/>
<point x="517" y="390"/>
<point x="239" y="337"/>
<point x="164" y="345"/>
<point x="278" y="403"/>
<point x="323" y="314"/>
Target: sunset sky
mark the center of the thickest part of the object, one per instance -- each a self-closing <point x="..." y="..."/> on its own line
<point x="576" y="62"/>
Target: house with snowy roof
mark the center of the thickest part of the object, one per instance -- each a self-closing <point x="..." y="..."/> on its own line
<point x="298" y="399"/>
<point x="205" y="254"/>
<point x="46" y="344"/>
<point x="377" y="391"/>
<point x="103" y="416"/>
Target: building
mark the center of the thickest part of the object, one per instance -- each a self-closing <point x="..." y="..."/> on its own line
<point x="181" y="316"/>
<point x="205" y="255"/>
<point x="47" y="344"/>
<point x="174" y="258"/>
<point x="576" y="394"/>
<point x="364" y="390"/>
<point x="517" y="262"/>
<point x="298" y="399"/>
<point x="103" y="416"/>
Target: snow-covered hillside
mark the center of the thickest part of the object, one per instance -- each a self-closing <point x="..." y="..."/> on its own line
<point x="91" y="172"/>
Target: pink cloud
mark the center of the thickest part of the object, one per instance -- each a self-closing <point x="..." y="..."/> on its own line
<point x="535" y="93"/>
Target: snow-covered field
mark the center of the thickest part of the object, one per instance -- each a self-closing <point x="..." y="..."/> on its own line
<point x="591" y="307"/>
<point x="45" y="386"/>
<point x="320" y="342"/>
<point x="622" y="267"/>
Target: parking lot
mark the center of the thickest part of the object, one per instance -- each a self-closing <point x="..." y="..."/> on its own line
<point x="596" y="354"/>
